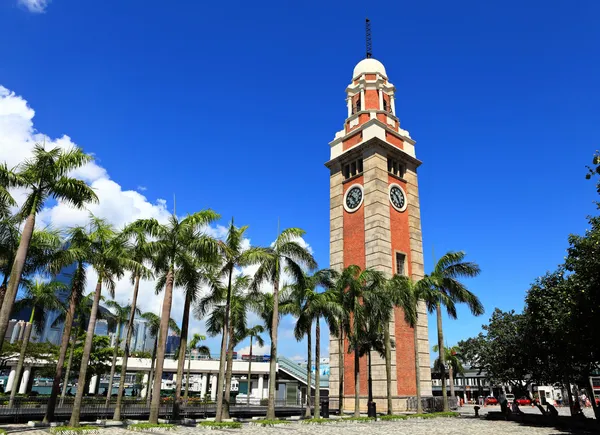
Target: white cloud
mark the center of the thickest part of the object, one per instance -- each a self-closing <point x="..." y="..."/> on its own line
<point x="116" y="204"/>
<point x="256" y="350"/>
<point x="35" y="6"/>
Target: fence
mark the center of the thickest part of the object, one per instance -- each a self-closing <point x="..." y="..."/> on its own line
<point x="94" y="408"/>
<point x="432" y="404"/>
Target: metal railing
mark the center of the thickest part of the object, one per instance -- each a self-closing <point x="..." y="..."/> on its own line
<point x="95" y="408"/>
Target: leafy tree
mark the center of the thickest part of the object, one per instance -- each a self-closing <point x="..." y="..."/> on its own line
<point x="41" y="298"/>
<point x="8" y="179"/>
<point x="233" y="255"/>
<point x="98" y="363"/>
<point x="454" y="360"/>
<point x="139" y="251"/>
<point x="154" y="325"/>
<point x="202" y="350"/>
<point x="104" y="251"/>
<point x="43" y="176"/>
<point x="444" y="279"/>
<point x="120" y="317"/>
<point x="286" y="251"/>
<point x="312" y="304"/>
<point x="176" y="245"/>
<point x="253" y="333"/>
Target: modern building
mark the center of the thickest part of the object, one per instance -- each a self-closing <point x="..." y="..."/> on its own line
<point x="375" y="223"/>
<point x="101" y="327"/>
<point x="53" y="327"/>
<point x="172" y="342"/>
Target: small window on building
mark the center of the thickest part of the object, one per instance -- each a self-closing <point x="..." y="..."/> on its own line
<point x="400" y="264"/>
<point x="385" y="105"/>
<point x="358" y="108"/>
<point x="352" y="169"/>
<point x="395" y="167"/>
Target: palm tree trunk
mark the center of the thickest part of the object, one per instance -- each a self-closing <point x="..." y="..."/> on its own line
<point x="136" y="287"/>
<point x="3" y="288"/>
<point x="273" y="362"/>
<point x="307" y="411"/>
<point x="64" y="344"/>
<point x="162" y="341"/>
<point x="417" y="371"/>
<point x="388" y="366"/>
<point x="228" y="373"/>
<point x="63" y="394"/>
<point x="341" y="370"/>
<point x="451" y="379"/>
<point x="317" y="373"/>
<point x="356" y="384"/>
<point x="85" y="358"/>
<point x="441" y="357"/>
<point x="113" y="367"/>
<point x="151" y="374"/>
<point x="182" y="352"/>
<point x="21" y="361"/>
<point x="187" y="379"/>
<point x="249" y="374"/>
<point x="222" y="357"/>
<point x="15" y="275"/>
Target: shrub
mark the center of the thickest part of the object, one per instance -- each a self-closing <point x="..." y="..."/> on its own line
<point x="359" y="419"/>
<point x="317" y="421"/>
<point x="2" y="432"/>
<point x="392" y="417"/>
<point x="221" y="425"/>
<point x="269" y="422"/>
<point x="150" y="427"/>
<point x="67" y="430"/>
<point x="264" y="402"/>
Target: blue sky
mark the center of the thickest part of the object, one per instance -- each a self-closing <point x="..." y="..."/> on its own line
<point x="232" y="105"/>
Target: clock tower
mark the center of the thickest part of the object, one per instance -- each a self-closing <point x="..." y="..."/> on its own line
<point x="375" y="223"/>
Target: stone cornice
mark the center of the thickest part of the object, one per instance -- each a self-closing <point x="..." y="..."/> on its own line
<point x="367" y="124"/>
<point x="374" y="142"/>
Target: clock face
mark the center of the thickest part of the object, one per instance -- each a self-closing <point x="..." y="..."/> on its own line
<point x="397" y="197"/>
<point x="354" y="197"/>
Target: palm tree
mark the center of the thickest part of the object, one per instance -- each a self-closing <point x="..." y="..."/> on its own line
<point x="41" y="297"/>
<point x="252" y="333"/>
<point x="417" y="292"/>
<point x="190" y="278"/>
<point x="45" y="175"/>
<point x="78" y="284"/>
<point x="444" y="281"/>
<point x="286" y="251"/>
<point x="238" y="306"/>
<point x="395" y="294"/>
<point x="105" y="252"/>
<point x="358" y="283"/>
<point x="44" y="245"/>
<point x="139" y="251"/>
<point x="154" y="322"/>
<point x="310" y="306"/>
<point x="454" y="361"/>
<point x="82" y="316"/>
<point x="120" y="316"/>
<point x="176" y="245"/>
<point x="202" y="350"/>
<point x="233" y="255"/>
<point x="8" y="179"/>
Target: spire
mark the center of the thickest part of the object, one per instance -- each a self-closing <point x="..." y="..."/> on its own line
<point x="368" y="35"/>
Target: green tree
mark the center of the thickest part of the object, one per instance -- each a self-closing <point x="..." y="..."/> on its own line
<point x="154" y="324"/>
<point x="286" y="251"/>
<point x="444" y="280"/>
<point x="43" y="176"/>
<point x="253" y="333"/>
<point x="312" y="304"/>
<point x="41" y="298"/>
<point x="202" y="350"/>
<point x="454" y="360"/>
<point x="139" y="251"/>
<point x="177" y="244"/>
<point x="233" y="255"/>
<point x="8" y="179"/>
<point x="105" y="252"/>
<point x="98" y="362"/>
<point x="238" y="305"/>
<point x="119" y="317"/>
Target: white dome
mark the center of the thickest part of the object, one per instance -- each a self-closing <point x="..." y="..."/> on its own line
<point x="369" y="66"/>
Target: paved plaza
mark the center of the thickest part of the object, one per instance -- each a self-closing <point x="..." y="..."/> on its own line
<point x="447" y="426"/>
